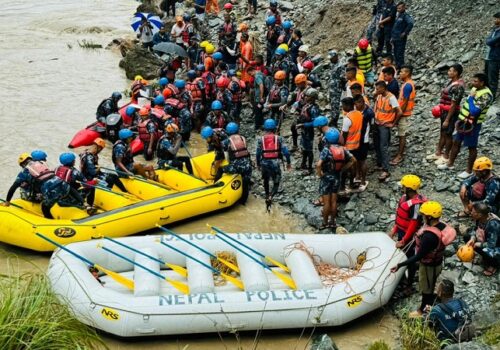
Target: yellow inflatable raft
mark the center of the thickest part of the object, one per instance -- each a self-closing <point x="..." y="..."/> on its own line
<point x="176" y="196"/>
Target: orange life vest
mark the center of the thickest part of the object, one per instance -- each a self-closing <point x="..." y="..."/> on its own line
<point x="411" y="100"/>
<point x="403" y="212"/>
<point x="384" y="112"/>
<point x="354" y="133"/>
<point x="193" y="87"/>
<point x="144" y="134"/>
<point x="338" y="155"/>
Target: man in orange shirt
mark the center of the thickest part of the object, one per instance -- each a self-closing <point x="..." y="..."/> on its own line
<point x="214" y="4"/>
<point x="246" y="51"/>
<point x="407" y="103"/>
<point x="351" y="132"/>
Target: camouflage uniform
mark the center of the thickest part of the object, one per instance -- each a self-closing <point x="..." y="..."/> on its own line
<point x="336" y="78"/>
<point x="491" y="192"/>
<point x="270" y="167"/>
<point x="330" y="181"/>
<point x="217" y="121"/>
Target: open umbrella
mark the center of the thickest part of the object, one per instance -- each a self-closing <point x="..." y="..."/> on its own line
<point x="170" y="49"/>
<point x="153" y="19"/>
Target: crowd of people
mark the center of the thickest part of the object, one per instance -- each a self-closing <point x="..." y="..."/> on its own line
<point x="206" y="93"/>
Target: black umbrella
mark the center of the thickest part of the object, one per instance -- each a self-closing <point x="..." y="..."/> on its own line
<point x="171" y="49"/>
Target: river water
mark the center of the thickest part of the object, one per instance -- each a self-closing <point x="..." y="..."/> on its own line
<point x="50" y="89"/>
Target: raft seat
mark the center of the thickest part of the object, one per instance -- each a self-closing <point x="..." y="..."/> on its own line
<point x="200" y="279"/>
<point x="253" y="275"/>
<point x="302" y="270"/>
<point x="145" y="283"/>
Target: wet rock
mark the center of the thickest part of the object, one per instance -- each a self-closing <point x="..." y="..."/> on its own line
<point x="383" y="194"/>
<point x="467" y="57"/>
<point x="149" y="6"/>
<point x="215" y="22"/>
<point x="323" y="342"/>
<point x="141" y="61"/>
<point x="286" y="5"/>
<point x="472" y="345"/>
<point x="452" y="275"/>
<point x="441" y="185"/>
<point x="469" y="278"/>
<point x="371" y="218"/>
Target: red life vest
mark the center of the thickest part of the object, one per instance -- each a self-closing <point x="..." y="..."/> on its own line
<point x="173" y="88"/>
<point x="175" y="103"/>
<point x="39" y="170"/>
<point x="445" y="237"/>
<point x="445" y="93"/>
<point x="238" y="145"/>
<point x="270" y="146"/>
<point x="64" y="173"/>
<point x="274" y="94"/>
<point x="144" y="134"/>
<point x="185" y="33"/>
<point x="193" y="87"/>
<point x="235" y="88"/>
<point x="403" y="212"/>
<point x="209" y="79"/>
<point x="338" y="154"/>
<point x="227" y="27"/>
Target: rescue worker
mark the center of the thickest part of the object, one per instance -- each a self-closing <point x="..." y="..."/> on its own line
<point x="312" y="78"/>
<point x="472" y="115"/>
<point x="337" y="82"/>
<point x="431" y="241"/>
<point x="362" y="154"/>
<point x="228" y="9"/>
<point x="483" y="186"/>
<point x="148" y="133"/>
<point x="406" y="101"/>
<point x="294" y="44"/>
<point x="449" y="108"/>
<point x="196" y="86"/>
<point x="403" y="24"/>
<point x="168" y="147"/>
<point x="123" y="158"/>
<point x="308" y="112"/>
<point x="272" y="35"/>
<point x="296" y="100"/>
<point x="24" y="181"/>
<point x="386" y="111"/>
<point x="287" y="31"/>
<point x="365" y="56"/>
<point x="408" y="221"/>
<point x="227" y="31"/>
<point x="236" y="87"/>
<point x="217" y="118"/>
<point x="239" y="159"/>
<point x="486" y="237"/>
<point x="274" y="12"/>
<point x="67" y="171"/>
<point x="183" y="95"/>
<point x="333" y="161"/>
<point x="215" y="141"/>
<point x="223" y="94"/>
<point x="271" y="149"/>
<point x="108" y="106"/>
<point x="385" y="25"/>
<point x="280" y="62"/>
<point x="180" y="116"/>
<point x="278" y="96"/>
<point x="188" y="31"/>
<point x="157" y="113"/>
<point x="258" y="94"/>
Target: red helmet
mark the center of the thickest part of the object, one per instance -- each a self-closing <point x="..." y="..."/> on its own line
<point x="363" y="43"/>
<point x="222" y="82"/>
<point x="228" y="6"/>
<point x="436" y="111"/>
<point x="167" y="92"/>
<point x="308" y="65"/>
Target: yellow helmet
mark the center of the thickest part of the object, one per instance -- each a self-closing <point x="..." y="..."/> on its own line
<point x="138" y="78"/>
<point x="483" y="163"/>
<point x="23" y="157"/>
<point x="411" y="181"/>
<point x="432" y="209"/>
<point x="204" y="43"/>
<point x="465" y="253"/>
<point x="284" y="47"/>
<point x="209" y="48"/>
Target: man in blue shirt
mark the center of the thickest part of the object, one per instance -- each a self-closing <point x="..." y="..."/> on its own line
<point x="385" y="27"/>
<point x="399" y="35"/>
<point x="392" y="83"/>
<point x="161" y="37"/>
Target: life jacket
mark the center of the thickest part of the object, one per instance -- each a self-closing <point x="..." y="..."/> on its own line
<point x="383" y="111"/>
<point x="175" y="103"/>
<point x="158" y="113"/>
<point x="83" y="161"/>
<point x="64" y="173"/>
<point x="102" y="111"/>
<point x="209" y="79"/>
<point x="195" y="90"/>
<point x="144" y="134"/>
<point x="238" y="145"/>
<point x="235" y="88"/>
<point x="464" y="112"/>
<point x="478" y="188"/>
<point x="275" y="94"/>
<point x="364" y="58"/>
<point x="299" y="96"/>
<point x="127" y="158"/>
<point x="220" y="121"/>
<point x="411" y="100"/>
<point x="445" y="93"/>
<point x="270" y="146"/>
<point x="39" y="170"/>
<point x="173" y="88"/>
<point x="338" y="154"/>
<point x="305" y="115"/>
<point x="185" y="33"/>
<point x="446" y="237"/>
<point x="227" y="27"/>
<point x="403" y="212"/>
<point x="209" y="63"/>
<point x="354" y="134"/>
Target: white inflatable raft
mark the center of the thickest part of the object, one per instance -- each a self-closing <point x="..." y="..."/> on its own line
<point x="154" y="307"/>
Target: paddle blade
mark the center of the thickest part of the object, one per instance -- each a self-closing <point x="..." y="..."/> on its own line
<point x="117" y="277"/>
<point x="229" y="264"/>
<point x="286" y="279"/>
<point x="277" y="263"/>
<point x="181" y="287"/>
<point x="233" y="280"/>
<point x="178" y="269"/>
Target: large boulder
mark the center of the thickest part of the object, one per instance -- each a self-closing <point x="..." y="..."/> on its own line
<point x="141" y="61"/>
<point x="149" y="6"/>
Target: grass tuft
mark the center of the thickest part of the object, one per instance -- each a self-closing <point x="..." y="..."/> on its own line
<point x="416" y="334"/>
<point x="88" y="44"/>
<point x="492" y="335"/>
<point x="379" y="345"/>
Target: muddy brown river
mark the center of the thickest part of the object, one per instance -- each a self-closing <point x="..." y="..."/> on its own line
<point x="50" y="89"/>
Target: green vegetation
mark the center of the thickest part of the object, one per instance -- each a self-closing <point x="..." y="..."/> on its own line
<point x="417" y="335"/>
<point x="31" y="317"/>
<point x="88" y="44"/>
<point x="379" y="345"/>
<point x="492" y="335"/>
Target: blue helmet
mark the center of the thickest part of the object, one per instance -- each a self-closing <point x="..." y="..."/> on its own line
<point x="38" y="155"/>
<point x="159" y="100"/>
<point x="67" y="158"/>
<point x="217" y="56"/>
<point x="180" y="84"/>
<point x="116" y="95"/>
<point x="186" y="17"/>
<point x="124" y="134"/>
<point x="163" y="82"/>
<point x="191" y="74"/>
<point x="280" y="51"/>
<point x="232" y="128"/>
<point x="130" y="111"/>
<point x="332" y="136"/>
<point x="287" y="24"/>
<point x="320" y="121"/>
<point x="231" y="73"/>
<point x="200" y="68"/>
<point x="269" y="125"/>
<point x="271" y="20"/>
<point x="207" y="132"/>
<point x="216" y="105"/>
<point x="273" y="3"/>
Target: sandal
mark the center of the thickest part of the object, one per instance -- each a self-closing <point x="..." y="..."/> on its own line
<point x="463" y="214"/>
<point x="490" y="271"/>
<point x="324" y="227"/>
<point x="396" y="161"/>
<point x="384" y="176"/>
<point x="317" y="203"/>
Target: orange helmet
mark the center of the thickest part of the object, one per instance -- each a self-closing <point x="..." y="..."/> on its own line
<point x="167" y="93"/>
<point x="300" y="78"/>
<point x="280" y="75"/>
<point x="243" y="27"/>
<point x="143" y="112"/>
<point x="171" y="127"/>
<point x="100" y="142"/>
